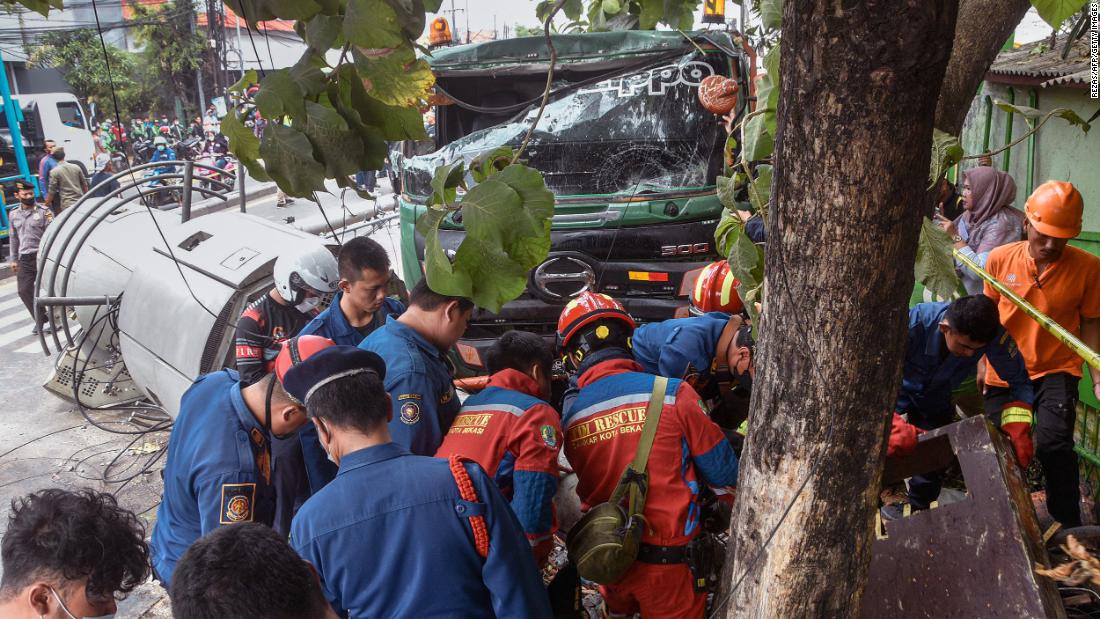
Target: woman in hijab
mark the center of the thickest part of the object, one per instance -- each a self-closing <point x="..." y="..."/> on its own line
<point x="989" y="220"/>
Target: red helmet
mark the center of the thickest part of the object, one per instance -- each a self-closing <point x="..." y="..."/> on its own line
<point x="715" y="290"/>
<point x="164" y="129"/>
<point x="586" y="309"/>
<point x="298" y="349"/>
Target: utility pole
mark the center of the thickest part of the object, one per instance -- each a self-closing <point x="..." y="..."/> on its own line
<point x="454" y="24"/>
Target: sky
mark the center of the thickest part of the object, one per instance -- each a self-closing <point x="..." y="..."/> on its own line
<point x="481" y="16"/>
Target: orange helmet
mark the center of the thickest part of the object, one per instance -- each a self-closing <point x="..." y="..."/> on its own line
<point x="298" y="349"/>
<point x="714" y="290"/>
<point x="1055" y="208"/>
<point x="586" y="309"/>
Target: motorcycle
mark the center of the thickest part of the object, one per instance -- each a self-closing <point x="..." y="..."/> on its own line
<point x="163" y="199"/>
<point x="207" y="175"/>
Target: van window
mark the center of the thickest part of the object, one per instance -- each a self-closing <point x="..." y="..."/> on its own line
<point x="71" y="115"/>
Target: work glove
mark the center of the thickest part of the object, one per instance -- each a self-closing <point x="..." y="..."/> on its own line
<point x="1016" y="420"/>
<point x="903" y="438"/>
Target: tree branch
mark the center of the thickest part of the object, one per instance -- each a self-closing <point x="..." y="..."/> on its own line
<point x="549" y="79"/>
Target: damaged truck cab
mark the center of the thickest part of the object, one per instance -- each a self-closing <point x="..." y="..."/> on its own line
<point x="625" y="146"/>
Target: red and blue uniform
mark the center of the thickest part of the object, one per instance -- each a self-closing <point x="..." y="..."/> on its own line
<point x="332" y="323"/>
<point x="602" y="427"/>
<point x="419" y="379"/>
<point x="516" y="437"/>
<point x="391" y="537"/>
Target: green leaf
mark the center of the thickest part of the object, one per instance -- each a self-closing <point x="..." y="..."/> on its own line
<point x="293" y="9"/>
<point x="397" y="78"/>
<point x="727" y="191"/>
<point x="339" y="148"/>
<point x="489" y="164"/>
<point x="1029" y="113"/>
<point x="249" y="78"/>
<point x="729" y="227"/>
<point x="771" y="65"/>
<point x="1072" y="118"/>
<point x="1054" y="12"/>
<point x="771" y="14"/>
<point x="935" y="265"/>
<point x="287" y="156"/>
<point x="611" y="7"/>
<point x="760" y="189"/>
<point x="946" y="152"/>
<point x="324" y="32"/>
<point x="253" y="11"/>
<point x="279" y="96"/>
<point x="651" y="13"/>
<point x="307" y="72"/>
<point x="244" y="145"/>
<point x="410" y="15"/>
<point x="746" y="260"/>
<point x="756" y="143"/>
<point x="573" y="9"/>
<point x="446" y="181"/>
<point x="432" y="6"/>
<point x="372" y="24"/>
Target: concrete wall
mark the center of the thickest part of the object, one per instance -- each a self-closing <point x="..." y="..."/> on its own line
<point x="1062" y="151"/>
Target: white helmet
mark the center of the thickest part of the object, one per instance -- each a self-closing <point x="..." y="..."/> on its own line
<point x="157" y="141"/>
<point x="307" y="276"/>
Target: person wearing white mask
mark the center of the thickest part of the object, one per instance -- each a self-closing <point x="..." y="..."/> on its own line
<point x="70" y="555"/>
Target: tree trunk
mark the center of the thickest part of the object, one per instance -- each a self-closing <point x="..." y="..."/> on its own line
<point x="983" y="27"/>
<point x="860" y="82"/>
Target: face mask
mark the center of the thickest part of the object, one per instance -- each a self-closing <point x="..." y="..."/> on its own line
<point x="161" y="147"/>
<point x="28" y="201"/>
<point x="328" y="454"/>
<point x="72" y="616"/>
<point x="310" y="304"/>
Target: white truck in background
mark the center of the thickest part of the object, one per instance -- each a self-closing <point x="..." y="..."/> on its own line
<point x="56" y="116"/>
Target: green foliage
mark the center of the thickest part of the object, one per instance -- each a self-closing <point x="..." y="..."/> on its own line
<point x="946" y="152"/>
<point x="935" y="265"/>
<point x="78" y="56"/>
<point x="507" y="221"/>
<point x="1031" y="115"/>
<point x="760" y="188"/>
<point x="746" y="260"/>
<point x="1054" y="12"/>
<point x="41" y="7"/>
<point x="170" y="51"/>
<point x="771" y="13"/>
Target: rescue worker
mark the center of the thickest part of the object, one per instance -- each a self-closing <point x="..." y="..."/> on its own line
<point x="1063" y="283"/>
<point x="419" y="374"/>
<point x="304" y="277"/>
<point x="220" y="468"/>
<point x="399" y="535"/>
<point x="945" y="342"/>
<point x="361" y="306"/>
<point x="28" y="223"/>
<point x="514" y="434"/>
<point x="711" y="350"/>
<point x="602" y="427"/>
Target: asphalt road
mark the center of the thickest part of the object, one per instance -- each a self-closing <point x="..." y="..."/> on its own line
<point x="46" y="442"/>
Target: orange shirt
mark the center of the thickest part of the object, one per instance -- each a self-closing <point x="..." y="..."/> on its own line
<point x="1067" y="291"/>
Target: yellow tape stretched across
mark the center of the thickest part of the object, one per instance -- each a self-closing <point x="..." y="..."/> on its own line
<point x="1091" y="357"/>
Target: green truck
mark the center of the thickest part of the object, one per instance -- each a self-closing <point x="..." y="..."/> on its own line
<point x="625" y="145"/>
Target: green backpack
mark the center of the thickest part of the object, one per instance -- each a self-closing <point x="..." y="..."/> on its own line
<point x="605" y="542"/>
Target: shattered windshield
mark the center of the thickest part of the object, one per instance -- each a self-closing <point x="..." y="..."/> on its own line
<point x="644" y="131"/>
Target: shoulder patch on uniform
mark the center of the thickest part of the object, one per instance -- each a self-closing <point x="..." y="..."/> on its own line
<point x="446" y="397"/>
<point x="549" y="436"/>
<point x="237" y="503"/>
<point x="409" y="396"/>
<point x="410" y="413"/>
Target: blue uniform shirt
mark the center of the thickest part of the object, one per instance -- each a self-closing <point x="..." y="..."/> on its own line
<point x="680" y="347"/>
<point x="420" y="383"/>
<point x="931" y="373"/>
<point x="332" y="323"/>
<point x="212" y="476"/>
<point x="390" y="537"/>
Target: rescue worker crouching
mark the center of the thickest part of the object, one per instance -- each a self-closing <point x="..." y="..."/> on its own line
<point x="219" y="469"/>
<point x="400" y="535"/>
<point x="419" y="375"/>
<point x="513" y="433"/>
<point x="603" y="426"/>
<point x="944" y="345"/>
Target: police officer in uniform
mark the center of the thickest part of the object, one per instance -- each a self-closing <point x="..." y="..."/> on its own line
<point x="419" y="376"/>
<point x="219" y="468"/>
<point x="28" y="224"/>
<point x="400" y="535"/>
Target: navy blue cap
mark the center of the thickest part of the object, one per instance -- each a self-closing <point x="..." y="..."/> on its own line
<point x="327" y="365"/>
